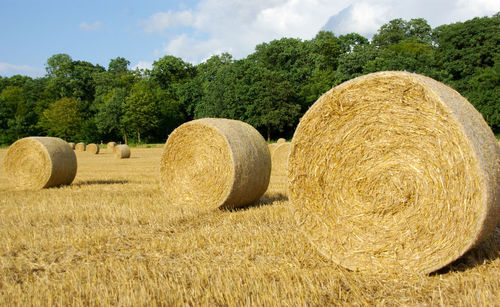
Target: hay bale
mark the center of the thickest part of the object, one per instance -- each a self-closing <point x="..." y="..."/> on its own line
<point x="394" y="171"/>
<point x="40" y="162"/>
<point x="71" y="145"/>
<point x="280" y="141"/>
<point x="279" y="168"/>
<point x="122" y="151"/>
<point x="272" y="147"/>
<point x="215" y="163"/>
<point x="80" y="146"/>
<point x="111" y="146"/>
<point x="92" y="148"/>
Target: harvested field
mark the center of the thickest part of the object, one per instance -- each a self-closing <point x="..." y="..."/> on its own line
<point x="110" y="239"/>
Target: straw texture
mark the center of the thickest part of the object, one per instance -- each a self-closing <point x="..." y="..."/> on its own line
<point x="80" y="146"/>
<point x="111" y="146"/>
<point x="272" y="147"/>
<point x="71" y="145"/>
<point x="280" y="140"/>
<point x="122" y="151"/>
<point x="279" y="168"/>
<point x="40" y="162"/>
<point x="92" y="148"/>
<point x="215" y="163"/>
<point x="394" y="171"/>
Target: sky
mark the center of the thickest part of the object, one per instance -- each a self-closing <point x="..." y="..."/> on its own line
<point x="144" y="31"/>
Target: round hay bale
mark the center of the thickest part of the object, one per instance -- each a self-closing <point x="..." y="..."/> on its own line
<point x="280" y="141"/>
<point x="215" y="163"/>
<point x="272" y="147"/>
<point x="111" y="146"/>
<point x="279" y="168"/>
<point x="71" y="145"/>
<point x="80" y="146"/>
<point x="122" y="151"/>
<point x="40" y="162"/>
<point x="92" y="148"/>
<point x="394" y="171"/>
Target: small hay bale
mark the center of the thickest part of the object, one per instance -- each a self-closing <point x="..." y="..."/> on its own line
<point x="394" y="171"/>
<point x="279" y="168"/>
<point x="111" y="146"/>
<point x="215" y="163"/>
<point x="71" y="145"/>
<point x="122" y="151"/>
<point x="280" y="141"/>
<point x="92" y="148"/>
<point x="40" y="162"/>
<point x="80" y="146"/>
<point x="272" y="147"/>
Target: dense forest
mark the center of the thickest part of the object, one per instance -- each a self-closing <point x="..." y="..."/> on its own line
<point x="269" y="89"/>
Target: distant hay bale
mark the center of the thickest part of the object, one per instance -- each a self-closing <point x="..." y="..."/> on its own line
<point x="394" y="171"/>
<point x="40" y="162"/>
<point x="92" y="148"/>
<point x="122" y="151"/>
<point x="281" y="140"/>
<point x="80" y="146"/>
<point x="215" y="163"/>
<point x="279" y="166"/>
<point x="71" y="145"/>
<point x="111" y="146"/>
<point x="272" y="147"/>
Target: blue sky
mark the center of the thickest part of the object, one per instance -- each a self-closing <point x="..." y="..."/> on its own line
<point x="144" y="31"/>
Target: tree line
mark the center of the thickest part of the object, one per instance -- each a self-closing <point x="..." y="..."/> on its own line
<point x="269" y="89"/>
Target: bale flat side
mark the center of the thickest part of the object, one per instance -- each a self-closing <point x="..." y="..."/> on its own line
<point x="122" y="151"/>
<point x="80" y="146"/>
<point x="92" y="148"/>
<point x="394" y="172"/>
<point x="281" y="140"/>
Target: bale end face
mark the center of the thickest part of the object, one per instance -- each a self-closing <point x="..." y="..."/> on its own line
<point x="92" y="148"/>
<point x="394" y="171"/>
<point x="80" y="146"/>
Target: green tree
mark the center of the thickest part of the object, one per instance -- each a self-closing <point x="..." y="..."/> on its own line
<point x="62" y="118"/>
<point x="141" y="110"/>
<point x="109" y="117"/>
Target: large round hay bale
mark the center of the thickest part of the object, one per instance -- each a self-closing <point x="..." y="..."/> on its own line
<point x="80" y="146"/>
<point x="40" y="162"/>
<point x="281" y="140"/>
<point x="111" y="146"/>
<point x="394" y="171"/>
<point x="122" y="151"/>
<point x="279" y="167"/>
<point x="92" y="148"/>
<point x="215" y="163"/>
<point x="272" y="147"/>
<point x="71" y="145"/>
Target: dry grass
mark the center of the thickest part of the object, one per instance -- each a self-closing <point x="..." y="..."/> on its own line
<point x="110" y="239"/>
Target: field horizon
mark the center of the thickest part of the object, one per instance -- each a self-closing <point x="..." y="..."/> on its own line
<point x="109" y="238"/>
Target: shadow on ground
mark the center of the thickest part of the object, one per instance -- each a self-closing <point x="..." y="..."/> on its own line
<point x="487" y="251"/>
<point x="100" y="182"/>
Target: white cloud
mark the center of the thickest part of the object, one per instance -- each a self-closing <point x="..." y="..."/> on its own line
<point x="143" y="65"/>
<point x="8" y="70"/>
<point x="237" y="26"/>
<point x="91" y="27"/>
<point x="165" y="20"/>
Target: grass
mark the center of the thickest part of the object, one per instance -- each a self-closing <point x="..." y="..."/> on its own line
<point x="110" y="239"/>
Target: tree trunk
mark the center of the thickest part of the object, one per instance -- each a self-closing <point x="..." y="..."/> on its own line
<point x="125" y="135"/>
<point x="138" y="137"/>
<point x="268" y="134"/>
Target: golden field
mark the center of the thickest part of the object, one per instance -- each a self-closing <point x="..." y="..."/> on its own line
<point x="110" y="239"/>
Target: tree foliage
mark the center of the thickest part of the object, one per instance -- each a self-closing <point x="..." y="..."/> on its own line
<point x="270" y="88"/>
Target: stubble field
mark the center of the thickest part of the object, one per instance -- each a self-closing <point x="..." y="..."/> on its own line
<point x="110" y="239"/>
